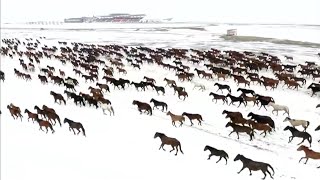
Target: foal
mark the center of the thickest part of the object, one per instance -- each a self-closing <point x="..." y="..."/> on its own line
<point x="216" y="152"/>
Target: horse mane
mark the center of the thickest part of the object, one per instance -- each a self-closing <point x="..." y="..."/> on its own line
<point x="160" y="134"/>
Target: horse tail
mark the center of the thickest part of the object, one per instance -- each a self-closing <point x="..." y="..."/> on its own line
<point x="180" y="147"/>
<point x="83" y="131"/>
<point x="268" y="165"/>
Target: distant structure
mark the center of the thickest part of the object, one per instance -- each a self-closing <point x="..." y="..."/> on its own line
<point x="231" y="32"/>
<point x="114" y="18"/>
<point x="46" y="22"/>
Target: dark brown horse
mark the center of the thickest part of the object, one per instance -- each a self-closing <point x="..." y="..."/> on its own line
<point x="58" y="96"/>
<point x="216" y="152"/>
<point x="241" y="129"/>
<point x="75" y="125"/>
<point x="15" y="112"/>
<point x="143" y="106"/>
<point x="191" y="117"/>
<point x="254" y="166"/>
<point x="32" y="116"/>
<point x="173" y="142"/>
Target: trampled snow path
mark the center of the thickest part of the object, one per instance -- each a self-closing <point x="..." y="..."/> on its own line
<point x="122" y="147"/>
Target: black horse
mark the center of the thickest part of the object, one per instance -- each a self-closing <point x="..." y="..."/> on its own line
<point x="159" y="88"/>
<point x="159" y="103"/>
<point x="75" y="125"/>
<point x="254" y="165"/>
<point x="246" y="91"/>
<point x="262" y="119"/>
<point x="77" y="99"/>
<point x="222" y="86"/>
<point x="314" y="88"/>
<point x="237" y="99"/>
<point x="216" y="152"/>
<point x="299" y="134"/>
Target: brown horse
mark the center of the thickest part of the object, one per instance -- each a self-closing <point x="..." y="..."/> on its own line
<point x="182" y="93"/>
<point x="170" y="82"/>
<point x="15" y="112"/>
<point x="143" y="106"/>
<point x="309" y="153"/>
<point x="254" y="165"/>
<point x="292" y="83"/>
<point x="241" y="129"/>
<point x="260" y="127"/>
<point x="46" y="124"/>
<point x="175" y="144"/>
<point x="192" y="117"/>
<point x="32" y="116"/>
<point x="175" y="118"/>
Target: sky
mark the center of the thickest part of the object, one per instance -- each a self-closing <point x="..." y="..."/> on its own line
<point x="236" y="11"/>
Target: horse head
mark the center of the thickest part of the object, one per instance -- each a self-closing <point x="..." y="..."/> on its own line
<point x="206" y="148"/>
<point x="157" y="134"/>
<point x="228" y="124"/>
<point x="318" y="128"/>
<point x="238" y="157"/>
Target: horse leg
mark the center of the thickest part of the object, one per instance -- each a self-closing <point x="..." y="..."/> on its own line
<point x="231" y="132"/>
<point x="302" y="158"/>
<point x="78" y="131"/>
<point x="290" y="139"/>
<point x="237" y="134"/>
<point x="210" y="156"/>
<point x="173" y="123"/>
<point x="73" y="131"/>
<point x="191" y="122"/>
<point x="181" y="123"/>
<point x="269" y="173"/>
<point x="172" y="148"/>
<point x="241" y="169"/>
<point x="306" y="160"/>
<point x="219" y="159"/>
<point x="265" y="175"/>
<point x="302" y="141"/>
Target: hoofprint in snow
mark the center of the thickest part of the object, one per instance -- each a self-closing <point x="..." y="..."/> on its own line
<point x="123" y="146"/>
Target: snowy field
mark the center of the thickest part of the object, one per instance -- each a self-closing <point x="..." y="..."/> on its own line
<point x="122" y="147"/>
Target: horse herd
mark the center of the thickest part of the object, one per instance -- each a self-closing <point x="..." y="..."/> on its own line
<point x="242" y="67"/>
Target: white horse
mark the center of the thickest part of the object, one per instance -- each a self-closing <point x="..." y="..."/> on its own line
<point x="296" y="122"/>
<point x="69" y="81"/>
<point x="277" y="107"/>
<point x="107" y="107"/>
<point x="200" y="86"/>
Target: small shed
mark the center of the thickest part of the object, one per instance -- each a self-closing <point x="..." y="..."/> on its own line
<point x="231" y="32"/>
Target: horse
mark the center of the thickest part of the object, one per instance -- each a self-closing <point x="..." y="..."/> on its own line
<point x="299" y="134"/>
<point x="241" y="129"/>
<point x="222" y="86"/>
<point x="260" y="127"/>
<point x="15" y="112"/>
<point x="32" y="116"/>
<point x="254" y="165"/>
<point x="175" y="118"/>
<point x="192" y="117"/>
<point x="106" y="106"/>
<point x="46" y="124"/>
<point x="217" y="96"/>
<point x="175" y="144"/>
<point x="236" y="99"/>
<point x="143" y="106"/>
<point x="200" y="86"/>
<point x="75" y="125"/>
<point x="248" y="99"/>
<point x="277" y="107"/>
<point x="246" y="91"/>
<point x="159" y="103"/>
<point x="57" y="96"/>
<point x="216" y="152"/>
<point x="309" y="153"/>
<point x="296" y="122"/>
<point x="262" y="119"/>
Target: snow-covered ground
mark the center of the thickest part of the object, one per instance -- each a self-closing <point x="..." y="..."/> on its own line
<point x="123" y="147"/>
